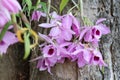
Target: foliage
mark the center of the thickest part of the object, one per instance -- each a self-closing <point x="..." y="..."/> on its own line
<point x="63" y="4"/>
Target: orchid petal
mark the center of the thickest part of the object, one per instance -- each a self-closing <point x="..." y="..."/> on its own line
<point x="46" y="25"/>
<point x="11" y="5"/>
<point x="41" y="65"/>
<point x="81" y="62"/>
<point x="82" y="33"/>
<point x="36" y="15"/>
<point x="87" y="55"/>
<point x="103" y="28"/>
<point x="55" y="15"/>
<point x="46" y="38"/>
<point x="55" y="31"/>
<point x="88" y="36"/>
<point x="3" y="47"/>
<point x="67" y="22"/>
<point x="65" y="44"/>
<point x="70" y="31"/>
<point x="77" y="51"/>
<point x="4" y="17"/>
<point x="11" y="37"/>
<point x="75" y="25"/>
<point x="100" y="20"/>
<point x="67" y="36"/>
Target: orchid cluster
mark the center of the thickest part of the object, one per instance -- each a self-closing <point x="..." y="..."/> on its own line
<point x="67" y="39"/>
<point x="7" y="8"/>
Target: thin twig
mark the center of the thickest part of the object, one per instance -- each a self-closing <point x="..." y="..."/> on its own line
<point x="49" y="5"/>
<point x="81" y="8"/>
<point x="48" y="18"/>
<point x="71" y="9"/>
<point x="14" y="22"/>
<point x="75" y="4"/>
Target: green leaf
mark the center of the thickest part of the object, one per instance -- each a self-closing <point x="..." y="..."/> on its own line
<point x="38" y="2"/>
<point x="44" y="6"/>
<point x="27" y="45"/>
<point x="4" y="30"/>
<point x="29" y="4"/>
<point x="28" y="26"/>
<point x="63" y="4"/>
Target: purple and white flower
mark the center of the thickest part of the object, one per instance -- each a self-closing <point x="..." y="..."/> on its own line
<point x="8" y="39"/>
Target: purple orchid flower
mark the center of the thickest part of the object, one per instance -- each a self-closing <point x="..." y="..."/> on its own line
<point x="66" y="27"/>
<point x="63" y="52"/>
<point x="11" y="5"/>
<point x="55" y="18"/>
<point x="62" y="25"/>
<point x="8" y="39"/>
<point x="82" y="56"/>
<point x="49" y="58"/>
<point x="59" y="45"/>
<point x="37" y="14"/>
<point x="97" y="59"/>
<point x="52" y="53"/>
<point x="75" y="25"/>
<point x="84" y="30"/>
<point x="49" y="51"/>
<point x="89" y="36"/>
<point x="43" y="64"/>
<point x="55" y="21"/>
<point x="94" y="33"/>
<point x="72" y="48"/>
<point x="101" y="27"/>
<point x="81" y="61"/>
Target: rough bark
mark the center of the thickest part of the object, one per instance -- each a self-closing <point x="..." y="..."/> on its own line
<point x="111" y="43"/>
<point x="12" y="66"/>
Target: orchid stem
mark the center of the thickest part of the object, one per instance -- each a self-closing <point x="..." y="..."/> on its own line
<point x="75" y="4"/>
<point x="81" y="8"/>
<point x="24" y="18"/>
<point x="48" y="11"/>
<point x="14" y="22"/>
<point x="13" y="18"/>
<point x="49" y="5"/>
<point x="38" y="1"/>
<point x="71" y="9"/>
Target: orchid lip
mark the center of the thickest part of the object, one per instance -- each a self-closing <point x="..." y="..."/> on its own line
<point x="51" y="51"/>
<point x="98" y="32"/>
<point x="2" y="42"/>
<point x="96" y="58"/>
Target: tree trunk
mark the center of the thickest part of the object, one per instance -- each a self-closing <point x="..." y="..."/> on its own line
<point x="12" y="65"/>
<point x="14" y="68"/>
